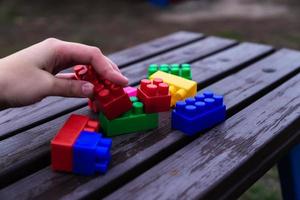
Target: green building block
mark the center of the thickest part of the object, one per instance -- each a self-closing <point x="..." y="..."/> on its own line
<point x="134" y="120"/>
<point x="183" y="70"/>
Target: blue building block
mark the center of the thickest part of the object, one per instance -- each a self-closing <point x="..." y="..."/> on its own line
<point x="289" y="174"/>
<point x="91" y="153"/>
<point x="199" y="113"/>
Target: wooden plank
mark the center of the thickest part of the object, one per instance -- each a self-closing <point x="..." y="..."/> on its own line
<point x="208" y="166"/>
<point x="154" y="47"/>
<point x="220" y="65"/>
<point x="149" y="145"/>
<point x="13" y="121"/>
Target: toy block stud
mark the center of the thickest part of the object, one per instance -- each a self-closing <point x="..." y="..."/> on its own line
<point x="86" y="73"/>
<point x="130" y="91"/>
<point x="183" y="70"/>
<point x="186" y="71"/>
<point x="175" y="69"/>
<point x="164" y="68"/>
<point x="92" y="126"/>
<point x="152" y="69"/>
<point x="91" y="154"/>
<point x="199" y="113"/>
<point x="134" y="120"/>
<point x="154" y="95"/>
<point x="179" y="88"/>
<point x="134" y="99"/>
<point x="80" y="71"/>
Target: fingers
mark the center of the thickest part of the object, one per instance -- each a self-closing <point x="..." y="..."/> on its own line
<point x="71" y="88"/>
<point x="66" y="75"/>
<point x="68" y="54"/>
<point x="113" y="64"/>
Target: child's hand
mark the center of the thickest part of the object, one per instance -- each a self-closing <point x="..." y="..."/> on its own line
<point x="28" y="76"/>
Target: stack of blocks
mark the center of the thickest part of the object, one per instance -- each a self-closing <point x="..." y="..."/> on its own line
<point x="117" y="113"/>
<point x="132" y="121"/>
<point x="199" y="113"/>
<point x="179" y="88"/>
<point x="183" y="70"/>
<point x="79" y="149"/>
<point x="155" y="95"/>
<point x="152" y="97"/>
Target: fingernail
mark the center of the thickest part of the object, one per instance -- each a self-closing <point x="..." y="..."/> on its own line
<point x="125" y="80"/>
<point x="87" y="89"/>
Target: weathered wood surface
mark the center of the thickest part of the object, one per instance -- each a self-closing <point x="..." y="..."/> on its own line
<point x="154" y="47"/>
<point x="13" y="121"/>
<point x="124" y="151"/>
<point x="208" y="166"/>
<point x="220" y="65"/>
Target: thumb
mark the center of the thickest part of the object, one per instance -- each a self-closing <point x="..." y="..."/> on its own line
<point x="72" y="88"/>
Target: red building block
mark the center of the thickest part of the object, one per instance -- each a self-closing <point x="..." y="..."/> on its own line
<point x="86" y="73"/>
<point x="61" y="144"/>
<point x="109" y="98"/>
<point x="113" y="101"/>
<point x="155" y="95"/>
<point x="93" y="106"/>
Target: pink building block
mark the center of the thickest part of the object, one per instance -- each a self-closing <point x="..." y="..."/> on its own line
<point x="131" y="91"/>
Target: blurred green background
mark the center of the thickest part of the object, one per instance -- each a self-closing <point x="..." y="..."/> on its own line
<point x="118" y="24"/>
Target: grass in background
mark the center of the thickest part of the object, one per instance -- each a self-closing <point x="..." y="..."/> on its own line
<point x="266" y="188"/>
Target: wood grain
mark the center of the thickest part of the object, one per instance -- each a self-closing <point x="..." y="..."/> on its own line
<point x="13" y="121"/>
<point x="220" y="65"/>
<point x="201" y="169"/>
<point x="129" y="152"/>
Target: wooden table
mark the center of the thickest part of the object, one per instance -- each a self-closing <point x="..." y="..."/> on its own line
<point x="261" y="86"/>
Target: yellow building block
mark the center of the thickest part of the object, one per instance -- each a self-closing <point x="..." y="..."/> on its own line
<point x="180" y="88"/>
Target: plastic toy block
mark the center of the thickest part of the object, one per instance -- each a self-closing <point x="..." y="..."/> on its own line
<point x="86" y="72"/>
<point x="183" y="70"/>
<point x="94" y="105"/>
<point x="131" y="91"/>
<point x="154" y="95"/>
<point x="92" y="126"/>
<point x="133" y="121"/>
<point x="91" y="154"/>
<point x="109" y="98"/>
<point x="180" y="88"/>
<point x="113" y="101"/>
<point x="199" y="113"/>
<point x="61" y="144"/>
